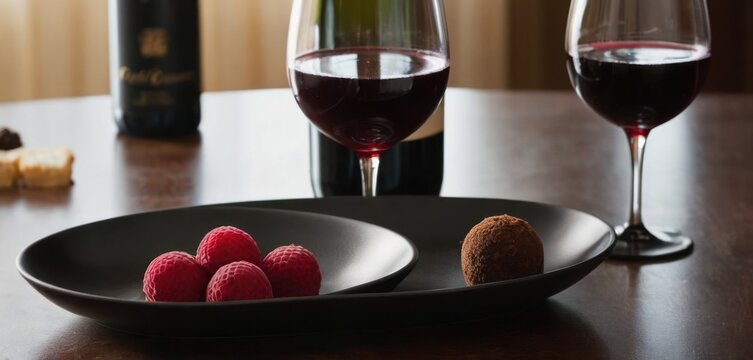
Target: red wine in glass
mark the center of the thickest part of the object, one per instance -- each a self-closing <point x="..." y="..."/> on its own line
<point x="638" y="85"/>
<point x="369" y="98"/>
<point x="639" y="63"/>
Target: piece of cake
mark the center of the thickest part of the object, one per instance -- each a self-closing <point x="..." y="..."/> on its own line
<point x="51" y="167"/>
<point x="501" y="248"/>
<point x="9" y="167"/>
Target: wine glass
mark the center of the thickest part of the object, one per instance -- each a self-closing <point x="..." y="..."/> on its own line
<point x="368" y="73"/>
<point x="639" y="63"/>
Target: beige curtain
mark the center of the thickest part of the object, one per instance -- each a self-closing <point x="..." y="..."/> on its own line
<point x="244" y="43"/>
<point x="58" y="48"/>
<point x="52" y="48"/>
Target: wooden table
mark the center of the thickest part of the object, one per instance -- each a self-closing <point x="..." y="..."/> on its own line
<point x="538" y="146"/>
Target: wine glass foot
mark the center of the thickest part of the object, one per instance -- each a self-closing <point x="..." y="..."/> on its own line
<point x="637" y="242"/>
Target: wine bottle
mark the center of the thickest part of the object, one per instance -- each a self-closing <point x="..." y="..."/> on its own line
<point x="414" y="166"/>
<point x="154" y="66"/>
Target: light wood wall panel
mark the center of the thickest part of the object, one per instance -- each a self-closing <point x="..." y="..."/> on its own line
<point x="93" y="56"/>
<point x="16" y="58"/>
<point x="57" y="54"/>
<point x="244" y="43"/>
<point x="52" y="48"/>
<point x="537" y="35"/>
<point x="58" y="48"/>
<point x="479" y="44"/>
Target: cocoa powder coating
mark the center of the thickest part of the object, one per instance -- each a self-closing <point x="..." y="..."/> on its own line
<point x="501" y="248"/>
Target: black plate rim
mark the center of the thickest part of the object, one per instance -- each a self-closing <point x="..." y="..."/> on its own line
<point x="344" y="292"/>
<point x="599" y="256"/>
<point x="418" y="307"/>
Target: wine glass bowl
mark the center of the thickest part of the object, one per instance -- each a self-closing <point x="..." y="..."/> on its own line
<point x="638" y="85"/>
<point x="369" y="98"/>
<point x="639" y="64"/>
<point x="368" y="73"/>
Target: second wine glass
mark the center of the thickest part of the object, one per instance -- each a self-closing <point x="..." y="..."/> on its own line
<point x="368" y="73"/>
<point x="639" y="63"/>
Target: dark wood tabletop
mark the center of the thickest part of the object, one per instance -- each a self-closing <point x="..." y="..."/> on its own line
<point x="539" y="146"/>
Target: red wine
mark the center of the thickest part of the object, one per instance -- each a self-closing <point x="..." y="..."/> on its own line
<point x="368" y="99"/>
<point x="412" y="167"/>
<point x="154" y="66"/>
<point x="638" y="85"/>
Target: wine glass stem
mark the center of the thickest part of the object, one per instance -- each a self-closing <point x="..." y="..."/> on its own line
<point x="637" y="144"/>
<point x="369" y="169"/>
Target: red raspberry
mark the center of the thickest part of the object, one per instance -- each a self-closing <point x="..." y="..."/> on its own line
<point x="293" y="271"/>
<point x="224" y="245"/>
<point x="240" y="280"/>
<point x="175" y="276"/>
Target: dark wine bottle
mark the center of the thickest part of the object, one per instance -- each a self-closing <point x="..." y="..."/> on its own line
<point x="414" y="166"/>
<point x="155" y="77"/>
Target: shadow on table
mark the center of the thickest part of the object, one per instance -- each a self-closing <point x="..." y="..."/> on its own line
<point x="36" y="197"/>
<point x="550" y="329"/>
<point x="8" y="197"/>
<point x="43" y="198"/>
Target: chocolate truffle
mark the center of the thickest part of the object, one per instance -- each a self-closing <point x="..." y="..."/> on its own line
<point x="9" y="139"/>
<point x="501" y="248"/>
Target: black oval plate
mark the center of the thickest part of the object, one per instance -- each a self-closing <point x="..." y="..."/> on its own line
<point x="574" y="244"/>
<point x="96" y="270"/>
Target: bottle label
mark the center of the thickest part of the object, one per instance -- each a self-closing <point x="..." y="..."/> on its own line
<point x="154" y="77"/>
<point x="157" y="63"/>
<point x="153" y="42"/>
<point x="140" y="83"/>
<point x="434" y="125"/>
<point x="153" y="84"/>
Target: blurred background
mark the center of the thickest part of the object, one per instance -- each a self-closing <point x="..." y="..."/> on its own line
<point x="58" y="48"/>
